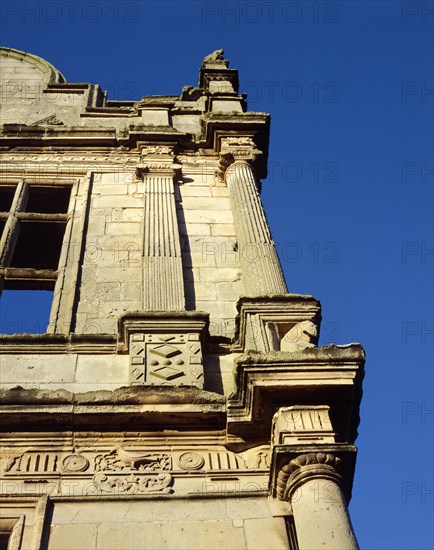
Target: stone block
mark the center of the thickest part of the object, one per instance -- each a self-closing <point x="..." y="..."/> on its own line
<point x="208" y="216"/>
<point x="114" y="189"/>
<point x="132" y="215"/>
<point x="220" y="192"/>
<point x="205" y="291"/>
<point x="229" y="292"/>
<point x="220" y="275"/>
<point x="73" y="537"/>
<point x="223" y="230"/>
<point x="249" y="506"/>
<point x="266" y="533"/>
<point x="116" y="309"/>
<point x="20" y="369"/>
<point x="201" y="229"/>
<point x="97" y="326"/>
<point x="131" y="292"/>
<point x="97" y="225"/>
<point x="122" y="228"/>
<point x="194" y="190"/>
<point x="121" y="201"/>
<point x="199" y="203"/>
<point x="118" y="274"/>
<point x="102" y="369"/>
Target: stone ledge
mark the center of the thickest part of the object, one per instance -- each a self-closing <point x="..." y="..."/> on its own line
<point x="128" y="408"/>
<point x="330" y="376"/>
<point x="56" y="343"/>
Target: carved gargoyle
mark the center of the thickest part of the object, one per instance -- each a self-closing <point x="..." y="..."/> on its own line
<point x="301" y="336"/>
<point x="215" y="58"/>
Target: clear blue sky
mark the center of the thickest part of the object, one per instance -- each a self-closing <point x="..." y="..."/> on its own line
<point x="349" y="197"/>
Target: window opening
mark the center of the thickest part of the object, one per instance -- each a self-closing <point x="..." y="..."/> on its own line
<point x="33" y="220"/>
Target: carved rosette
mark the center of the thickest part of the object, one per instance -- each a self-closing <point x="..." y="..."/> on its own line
<point x="304" y="467"/>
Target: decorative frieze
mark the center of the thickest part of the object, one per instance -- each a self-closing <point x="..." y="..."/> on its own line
<point x="119" y="460"/>
<point x="132" y="471"/>
<point x="132" y="484"/>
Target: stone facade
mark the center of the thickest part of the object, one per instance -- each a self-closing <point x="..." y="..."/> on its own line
<point x="178" y="398"/>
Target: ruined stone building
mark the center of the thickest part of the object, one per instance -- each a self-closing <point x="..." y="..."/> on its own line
<point x="178" y="398"/>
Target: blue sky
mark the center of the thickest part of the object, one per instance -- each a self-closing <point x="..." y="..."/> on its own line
<point x="349" y="194"/>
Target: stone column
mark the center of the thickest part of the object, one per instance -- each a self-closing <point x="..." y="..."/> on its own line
<point x="260" y="264"/>
<point x="312" y="485"/>
<point x="163" y="287"/>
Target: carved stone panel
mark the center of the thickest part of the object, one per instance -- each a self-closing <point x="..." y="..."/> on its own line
<point x="292" y="425"/>
<point x="166" y="359"/>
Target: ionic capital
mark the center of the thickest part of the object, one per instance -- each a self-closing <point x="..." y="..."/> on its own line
<point x="158" y="168"/>
<point x="235" y="150"/>
<point x="157" y="159"/>
<point x="306" y="467"/>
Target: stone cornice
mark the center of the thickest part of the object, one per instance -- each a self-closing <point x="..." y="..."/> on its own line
<point x="164" y="321"/>
<point x="11" y="344"/>
<point x="129" y="408"/>
<point x="217" y="126"/>
<point x="329" y="376"/>
<point x="19" y="135"/>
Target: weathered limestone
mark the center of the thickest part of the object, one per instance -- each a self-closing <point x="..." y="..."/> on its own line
<point x="312" y="485"/>
<point x="163" y="279"/>
<point x="261" y="266"/>
<point x="179" y="398"/>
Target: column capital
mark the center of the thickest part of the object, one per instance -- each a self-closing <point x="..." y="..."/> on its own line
<point x="158" y="167"/>
<point x="236" y="150"/>
<point x="157" y="159"/>
<point x="294" y="465"/>
<point x="306" y="467"/>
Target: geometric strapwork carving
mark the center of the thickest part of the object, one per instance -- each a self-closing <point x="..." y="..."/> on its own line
<point x="166" y="359"/>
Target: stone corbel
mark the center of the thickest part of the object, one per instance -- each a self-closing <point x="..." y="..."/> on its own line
<point x="277" y="323"/>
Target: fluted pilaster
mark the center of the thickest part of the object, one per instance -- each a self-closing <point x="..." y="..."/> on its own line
<point x="259" y="261"/>
<point x="162" y="263"/>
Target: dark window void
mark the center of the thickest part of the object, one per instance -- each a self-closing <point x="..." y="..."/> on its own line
<point x="25" y="312"/>
<point x="48" y="199"/>
<point x="4" y="540"/>
<point x="6" y="197"/>
<point x="38" y="245"/>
